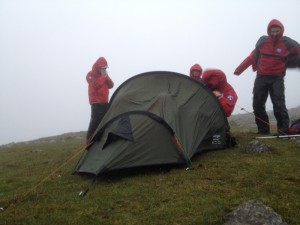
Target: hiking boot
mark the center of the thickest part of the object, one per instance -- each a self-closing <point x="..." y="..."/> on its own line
<point x="282" y="132"/>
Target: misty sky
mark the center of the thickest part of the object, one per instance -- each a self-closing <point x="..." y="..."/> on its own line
<point x="48" y="46"/>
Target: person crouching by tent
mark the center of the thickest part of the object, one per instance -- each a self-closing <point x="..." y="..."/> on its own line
<point x="216" y="81"/>
<point x="99" y="84"/>
<point x="195" y="72"/>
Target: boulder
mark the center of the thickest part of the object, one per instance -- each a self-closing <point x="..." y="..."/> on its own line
<point x="253" y="212"/>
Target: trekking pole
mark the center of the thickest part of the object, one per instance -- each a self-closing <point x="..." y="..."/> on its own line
<point x="279" y="136"/>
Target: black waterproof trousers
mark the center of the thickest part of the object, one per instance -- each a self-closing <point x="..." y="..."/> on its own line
<point x="98" y="111"/>
<point x="273" y="85"/>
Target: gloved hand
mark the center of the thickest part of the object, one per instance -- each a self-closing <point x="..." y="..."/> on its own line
<point x="237" y="71"/>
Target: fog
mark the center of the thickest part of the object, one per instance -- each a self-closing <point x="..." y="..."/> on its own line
<point x="48" y="47"/>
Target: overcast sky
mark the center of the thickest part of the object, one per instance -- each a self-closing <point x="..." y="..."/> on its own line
<point x="48" y="46"/>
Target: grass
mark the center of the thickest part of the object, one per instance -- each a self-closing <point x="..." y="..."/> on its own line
<point x="220" y="181"/>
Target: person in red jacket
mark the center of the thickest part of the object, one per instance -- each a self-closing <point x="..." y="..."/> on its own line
<point x="99" y="84"/>
<point x="216" y="81"/>
<point x="195" y="72"/>
<point x="272" y="55"/>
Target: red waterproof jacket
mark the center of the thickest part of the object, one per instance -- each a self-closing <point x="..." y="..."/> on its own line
<point x="271" y="57"/>
<point x="228" y="96"/>
<point x="99" y="85"/>
<point x="196" y="67"/>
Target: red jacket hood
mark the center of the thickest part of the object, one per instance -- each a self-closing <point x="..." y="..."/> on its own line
<point x="276" y="23"/>
<point x="196" y="67"/>
<point x="101" y="62"/>
<point x="219" y="74"/>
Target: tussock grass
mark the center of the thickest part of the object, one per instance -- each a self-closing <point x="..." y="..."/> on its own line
<point x="220" y="181"/>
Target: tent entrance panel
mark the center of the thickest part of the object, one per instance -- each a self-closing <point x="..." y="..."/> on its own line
<point x="151" y="144"/>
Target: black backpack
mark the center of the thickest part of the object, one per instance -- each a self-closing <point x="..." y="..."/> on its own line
<point x="292" y="61"/>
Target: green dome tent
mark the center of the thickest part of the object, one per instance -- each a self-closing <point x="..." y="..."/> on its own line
<point x="155" y="118"/>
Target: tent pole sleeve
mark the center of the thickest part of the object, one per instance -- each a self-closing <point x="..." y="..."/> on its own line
<point x="178" y="143"/>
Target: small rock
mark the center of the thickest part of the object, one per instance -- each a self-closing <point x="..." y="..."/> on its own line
<point x="257" y="147"/>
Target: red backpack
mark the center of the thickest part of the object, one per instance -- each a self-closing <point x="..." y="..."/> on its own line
<point x="295" y="127"/>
